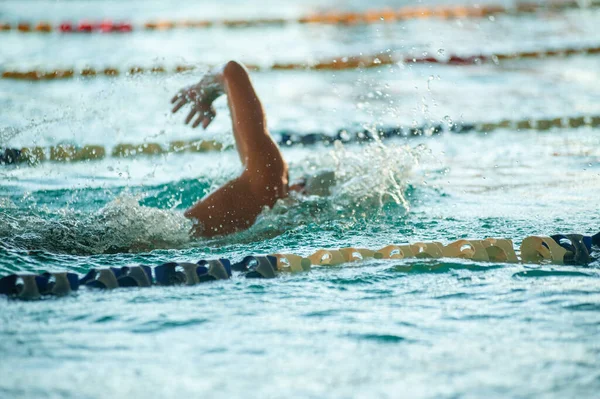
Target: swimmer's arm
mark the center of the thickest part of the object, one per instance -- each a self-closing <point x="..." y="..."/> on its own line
<point x="264" y="180"/>
<point x="231" y="208"/>
<point x="252" y="138"/>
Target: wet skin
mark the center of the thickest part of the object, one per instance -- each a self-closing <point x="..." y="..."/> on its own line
<point x="236" y="205"/>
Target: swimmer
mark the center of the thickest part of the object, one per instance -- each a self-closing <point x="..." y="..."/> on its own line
<point x="264" y="180"/>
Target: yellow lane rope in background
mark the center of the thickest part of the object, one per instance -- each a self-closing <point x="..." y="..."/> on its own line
<point x="331" y="18"/>
<point x="559" y="249"/>
<point x="339" y="63"/>
<point x="71" y="153"/>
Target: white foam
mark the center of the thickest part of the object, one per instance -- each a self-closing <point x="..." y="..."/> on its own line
<point x="123" y="225"/>
<point x="368" y="177"/>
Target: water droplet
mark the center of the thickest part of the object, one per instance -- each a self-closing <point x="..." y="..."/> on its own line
<point x="448" y="121"/>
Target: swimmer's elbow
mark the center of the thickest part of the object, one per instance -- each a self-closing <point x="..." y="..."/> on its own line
<point x="234" y="68"/>
<point x="189" y="213"/>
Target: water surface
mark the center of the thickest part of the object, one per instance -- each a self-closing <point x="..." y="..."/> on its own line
<point x="449" y="328"/>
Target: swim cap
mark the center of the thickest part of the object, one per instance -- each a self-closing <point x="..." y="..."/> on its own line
<point x="320" y="184"/>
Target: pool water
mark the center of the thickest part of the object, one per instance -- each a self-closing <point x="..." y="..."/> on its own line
<point x="449" y="328"/>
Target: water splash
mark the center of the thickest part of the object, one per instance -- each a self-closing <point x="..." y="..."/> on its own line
<point x="369" y="179"/>
<point x="373" y="177"/>
<point x="123" y="225"/>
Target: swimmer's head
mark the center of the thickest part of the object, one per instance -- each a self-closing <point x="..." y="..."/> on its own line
<point x="299" y="186"/>
<point x="319" y="184"/>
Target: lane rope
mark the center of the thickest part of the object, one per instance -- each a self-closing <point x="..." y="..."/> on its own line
<point x="559" y="249"/>
<point x="70" y="153"/>
<point x="327" y="18"/>
<point x="335" y="64"/>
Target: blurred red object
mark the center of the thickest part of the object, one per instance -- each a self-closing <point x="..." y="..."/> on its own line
<point x="85" y="26"/>
<point x="123" y="27"/>
<point x="106" y="26"/>
<point x="66" y="27"/>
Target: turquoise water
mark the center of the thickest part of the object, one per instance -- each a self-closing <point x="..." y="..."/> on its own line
<point x="449" y="328"/>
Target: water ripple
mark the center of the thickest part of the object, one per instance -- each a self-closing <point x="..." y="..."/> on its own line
<point x="163" y="326"/>
<point x="550" y="273"/>
<point x="380" y="338"/>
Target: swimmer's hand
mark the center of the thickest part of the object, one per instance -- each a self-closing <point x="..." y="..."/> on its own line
<point x="201" y="96"/>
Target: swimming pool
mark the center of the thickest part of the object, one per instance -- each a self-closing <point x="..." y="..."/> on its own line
<point x="363" y="330"/>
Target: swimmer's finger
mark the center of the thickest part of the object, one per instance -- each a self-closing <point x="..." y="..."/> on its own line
<point x="180" y="94"/>
<point x="191" y="115"/>
<point x="179" y="105"/>
<point x="197" y="122"/>
<point x="208" y="117"/>
<point x="206" y="121"/>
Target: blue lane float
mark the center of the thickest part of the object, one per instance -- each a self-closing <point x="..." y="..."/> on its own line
<point x="29" y="286"/>
<point x="257" y="266"/>
<point x="565" y="249"/>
